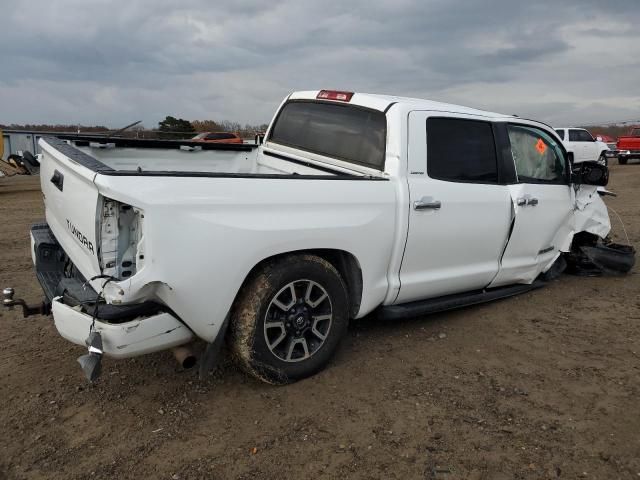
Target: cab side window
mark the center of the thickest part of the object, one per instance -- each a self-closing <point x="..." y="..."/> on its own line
<point x="460" y="150"/>
<point x="580" y="136"/>
<point x="537" y="156"/>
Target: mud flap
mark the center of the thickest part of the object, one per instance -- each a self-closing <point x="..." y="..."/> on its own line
<point x="211" y="356"/>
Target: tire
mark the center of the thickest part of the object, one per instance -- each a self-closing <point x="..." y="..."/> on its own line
<point x="28" y="158"/>
<point x="622" y="161"/>
<point x="603" y="160"/>
<point x="290" y="346"/>
<point x="570" y="156"/>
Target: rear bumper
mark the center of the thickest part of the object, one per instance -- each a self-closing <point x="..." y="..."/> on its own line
<point x="121" y="340"/>
<point x="127" y="330"/>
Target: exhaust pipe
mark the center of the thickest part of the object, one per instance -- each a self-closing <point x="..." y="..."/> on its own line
<point x="185" y="356"/>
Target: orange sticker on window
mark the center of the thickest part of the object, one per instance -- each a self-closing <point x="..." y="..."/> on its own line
<point x="541" y="146"/>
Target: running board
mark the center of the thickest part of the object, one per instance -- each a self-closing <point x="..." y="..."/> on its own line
<point x="451" y="302"/>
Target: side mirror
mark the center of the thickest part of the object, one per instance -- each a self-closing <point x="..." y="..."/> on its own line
<point x="598" y="138"/>
<point x="590" y="173"/>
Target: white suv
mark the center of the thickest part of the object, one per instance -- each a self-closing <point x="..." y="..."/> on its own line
<point x="582" y="147"/>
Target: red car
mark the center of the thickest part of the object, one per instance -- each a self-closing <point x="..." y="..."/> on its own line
<point x="605" y="138"/>
<point x="610" y="141"/>
<point x="629" y="146"/>
<point x="217" y="137"/>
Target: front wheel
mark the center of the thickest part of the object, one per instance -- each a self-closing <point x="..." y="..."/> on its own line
<point x="603" y="160"/>
<point x="289" y="318"/>
<point x="622" y="160"/>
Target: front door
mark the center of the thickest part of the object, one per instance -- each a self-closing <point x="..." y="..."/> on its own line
<point x="542" y="202"/>
<point x="591" y="148"/>
<point x="459" y="216"/>
<point x="583" y="145"/>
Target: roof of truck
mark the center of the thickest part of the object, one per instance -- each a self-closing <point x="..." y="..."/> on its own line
<point x="383" y="102"/>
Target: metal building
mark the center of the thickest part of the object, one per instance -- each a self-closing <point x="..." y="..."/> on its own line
<point x="16" y="141"/>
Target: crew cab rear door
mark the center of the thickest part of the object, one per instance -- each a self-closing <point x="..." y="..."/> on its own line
<point x="71" y="200"/>
<point x="542" y="203"/>
<point x="459" y="214"/>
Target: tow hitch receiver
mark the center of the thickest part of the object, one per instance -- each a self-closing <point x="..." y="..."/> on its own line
<point x="27" y="310"/>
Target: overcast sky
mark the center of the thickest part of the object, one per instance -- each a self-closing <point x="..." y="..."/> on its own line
<point x="113" y="62"/>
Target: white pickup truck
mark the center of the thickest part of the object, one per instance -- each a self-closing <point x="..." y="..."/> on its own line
<point x="582" y="147"/>
<point x="355" y="203"/>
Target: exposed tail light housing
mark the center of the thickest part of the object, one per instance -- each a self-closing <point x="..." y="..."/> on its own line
<point x="121" y="239"/>
<point x="335" y="95"/>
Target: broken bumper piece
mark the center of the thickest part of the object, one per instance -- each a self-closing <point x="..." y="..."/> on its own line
<point x="591" y="257"/>
<point x="125" y="330"/>
<point x="121" y="340"/>
<point x="611" y="258"/>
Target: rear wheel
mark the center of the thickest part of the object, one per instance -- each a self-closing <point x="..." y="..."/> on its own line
<point x="622" y="160"/>
<point x="289" y="319"/>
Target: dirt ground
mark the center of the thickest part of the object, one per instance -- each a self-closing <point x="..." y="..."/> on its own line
<point x="544" y="385"/>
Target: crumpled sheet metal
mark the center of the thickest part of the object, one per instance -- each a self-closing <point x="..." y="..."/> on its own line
<point x="590" y="214"/>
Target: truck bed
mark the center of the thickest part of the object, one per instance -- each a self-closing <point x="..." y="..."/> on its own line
<point x="120" y="156"/>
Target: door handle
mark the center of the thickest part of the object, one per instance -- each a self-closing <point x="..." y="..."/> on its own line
<point x="427" y="203"/>
<point x="58" y="180"/>
<point x="523" y="201"/>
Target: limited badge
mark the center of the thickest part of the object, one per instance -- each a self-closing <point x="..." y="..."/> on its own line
<point x="541" y="146"/>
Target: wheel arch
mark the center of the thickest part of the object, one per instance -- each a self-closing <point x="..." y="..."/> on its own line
<point x="344" y="262"/>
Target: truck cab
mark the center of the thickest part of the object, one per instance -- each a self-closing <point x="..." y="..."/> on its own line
<point x="582" y="147"/>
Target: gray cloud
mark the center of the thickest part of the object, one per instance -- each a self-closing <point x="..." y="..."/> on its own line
<point x="110" y="62"/>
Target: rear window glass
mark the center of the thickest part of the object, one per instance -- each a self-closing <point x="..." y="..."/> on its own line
<point x="344" y="132"/>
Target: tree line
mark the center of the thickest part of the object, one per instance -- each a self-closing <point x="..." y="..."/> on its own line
<point x="170" y="127"/>
<point x="613" y="131"/>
